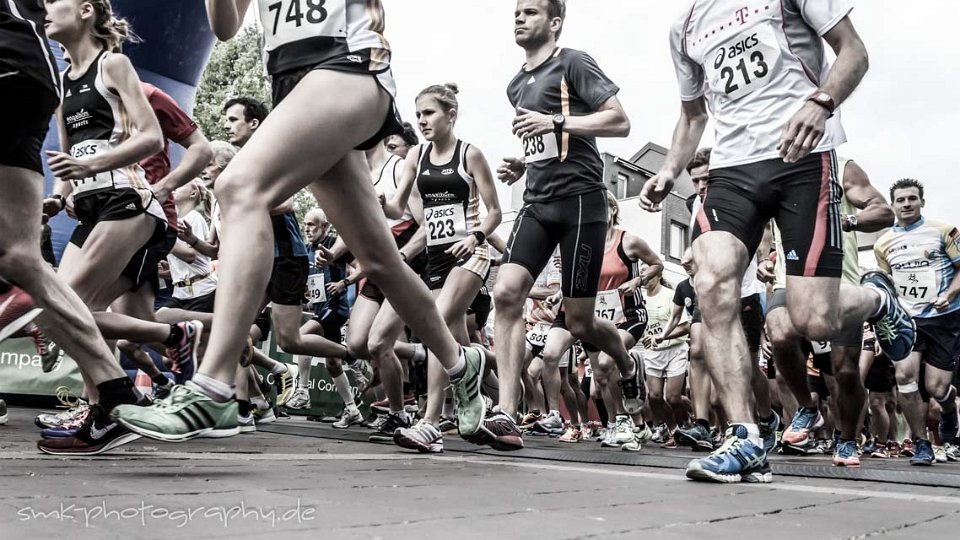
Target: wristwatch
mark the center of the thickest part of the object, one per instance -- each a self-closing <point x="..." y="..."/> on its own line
<point x="849" y="223"/>
<point x="558" y="121"/>
<point x="824" y="100"/>
<point x="481" y="238"/>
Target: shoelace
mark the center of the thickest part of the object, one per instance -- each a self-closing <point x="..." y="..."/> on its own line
<point x="67" y="398"/>
<point x="803" y="420"/>
<point x="884" y="329"/>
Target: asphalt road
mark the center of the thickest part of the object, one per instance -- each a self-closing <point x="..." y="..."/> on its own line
<point x="273" y="485"/>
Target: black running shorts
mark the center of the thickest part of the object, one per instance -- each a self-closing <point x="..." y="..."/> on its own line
<point x="26" y="121"/>
<point x="938" y="338"/>
<point x="578" y="224"/>
<point x="356" y="62"/>
<point x="150" y="258"/>
<point x="199" y="304"/>
<point x="803" y="197"/>
<point x="288" y="282"/>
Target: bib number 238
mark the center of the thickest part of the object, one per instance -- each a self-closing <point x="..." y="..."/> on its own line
<point x="286" y="21"/>
<point x="540" y="148"/>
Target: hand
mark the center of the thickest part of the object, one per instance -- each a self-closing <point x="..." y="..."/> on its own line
<point x="161" y="191"/>
<point x="648" y="342"/>
<point x="629" y="287"/>
<point x="463" y="248"/>
<point x="185" y="233"/>
<point x="66" y="167"/>
<point x="554" y="299"/>
<point x="323" y="257"/>
<point x="657" y="341"/>
<point x="766" y="271"/>
<point x="337" y="287"/>
<point x="940" y="303"/>
<point x="528" y="123"/>
<point x="511" y="170"/>
<point x="766" y="348"/>
<point x="655" y="191"/>
<point x="68" y="207"/>
<point x="52" y="207"/>
<point x="803" y="132"/>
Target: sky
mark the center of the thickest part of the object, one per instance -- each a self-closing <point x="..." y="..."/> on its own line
<point x="900" y="122"/>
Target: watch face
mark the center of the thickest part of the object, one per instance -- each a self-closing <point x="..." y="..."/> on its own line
<point x="558" y="119"/>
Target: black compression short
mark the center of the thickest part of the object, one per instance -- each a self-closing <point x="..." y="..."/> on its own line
<point x="578" y="224"/>
<point x="803" y="197"/>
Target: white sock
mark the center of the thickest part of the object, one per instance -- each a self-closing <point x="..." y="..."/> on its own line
<point x="554" y="413"/>
<point x="303" y="377"/>
<point x="881" y="305"/>
<point x="753" y="433"/>
<point x="344" y="389"/>
<point x="459" y="367"/>
<point x="218" y="391"/>
<point x="279" y="368"/>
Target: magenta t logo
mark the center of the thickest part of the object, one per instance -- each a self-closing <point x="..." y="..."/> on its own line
<point x="742" y="14"/>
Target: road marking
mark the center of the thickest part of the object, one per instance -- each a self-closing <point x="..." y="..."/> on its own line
<point x="778" y="485"/>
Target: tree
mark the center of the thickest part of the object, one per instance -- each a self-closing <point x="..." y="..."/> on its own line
<point x="236" y="69"/>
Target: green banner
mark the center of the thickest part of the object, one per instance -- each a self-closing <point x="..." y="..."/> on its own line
<point x="20" y="371"/>
<point x="324" y="399"/>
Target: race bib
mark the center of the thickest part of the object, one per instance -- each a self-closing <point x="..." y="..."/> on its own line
<point x="445" y="224"/>
<point x="917" y="285"/>
<point x="316" y="289"/>
<point x="287" y="21"/>
<point x="820" y="347"/>
<point x="540" y="148"/>
<point x="537" y="336"/>
<point x="745" y="63"/>
<point x="100" y="181"/>
<point x="609" y="307"/>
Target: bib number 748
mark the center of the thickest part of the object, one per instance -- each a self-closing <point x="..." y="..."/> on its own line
<point x="315" y="13"/>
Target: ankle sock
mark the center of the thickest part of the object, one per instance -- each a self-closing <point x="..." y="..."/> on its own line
<point x="118" y="391"/>
<point x="176" y="334"/>
<point x="218" y="391"/>
<point x="459" y="368"/>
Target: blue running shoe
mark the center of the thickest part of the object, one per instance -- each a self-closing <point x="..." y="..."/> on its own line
<point x="737" y="460"/>
<point x="58" y="432"/>
<point x="805" y="421"/>
<point x="896" y="332"/>
<point x="768" y="432"/>
<point x="846" y="454"/>
<point x="922" y="453"/>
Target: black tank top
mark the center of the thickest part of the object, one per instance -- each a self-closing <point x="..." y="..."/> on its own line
<point x="450" y="202"/>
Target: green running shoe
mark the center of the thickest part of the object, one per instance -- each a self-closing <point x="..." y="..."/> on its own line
<point x="187" y="413"/>
<point x="466" y="392"/>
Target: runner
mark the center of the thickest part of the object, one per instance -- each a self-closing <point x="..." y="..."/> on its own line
<point x="665" y="361"/>
<point x="120" y="219"/>
<point x="450" y="178"/>
<point x="923" y="256"/>
<point x="563" y="101"/>
<point x="306" y="141"/>
<point x="864" y="209"/>
<point x="783" y="168"/>
<point x="330" y="296"/>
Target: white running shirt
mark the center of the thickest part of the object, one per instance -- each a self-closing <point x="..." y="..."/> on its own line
<point x="756" y="62"/>
<point x="181" y="270"/>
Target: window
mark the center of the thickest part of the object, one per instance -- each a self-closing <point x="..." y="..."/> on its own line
<point x="678" y="240"/>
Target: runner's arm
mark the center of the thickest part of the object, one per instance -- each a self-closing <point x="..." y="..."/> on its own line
<point x="851" y="64"/>
<point x="686" y="137"/>
<point x="875" y="214"/>
<point x="610" y="120"/>
<point x="226" y="17"/>
<point x="394" y="208"/>
<point x="147" y="138"/>
<point x="197" y="156"/>
<point x="672" y="324"/>
<point x="184" y="252"/>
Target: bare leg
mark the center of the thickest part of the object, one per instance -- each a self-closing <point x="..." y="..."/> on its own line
<point x="513" y="285"/>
